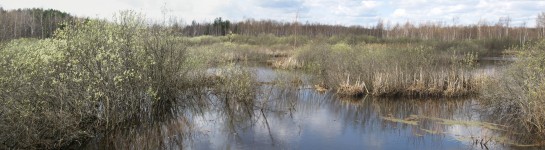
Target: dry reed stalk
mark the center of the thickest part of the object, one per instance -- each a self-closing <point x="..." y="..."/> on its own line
<point x="321" y="88"/>
<point x="347" y="90"/>
<point x="286" y="63"/>
<point x="446" y="84"/>
<point x="272" y="53"/>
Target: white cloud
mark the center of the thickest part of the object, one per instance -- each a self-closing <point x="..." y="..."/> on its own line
<point x="370" y="4"/>
<point x="349" y="12"/>
<point x="399" y="13"/>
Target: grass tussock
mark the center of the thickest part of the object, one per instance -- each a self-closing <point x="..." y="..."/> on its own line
<point x="357" y="89"/>
<point x="392" y="70"/>
<point x="436" y="84"/>
<point x="321" y="87"/>
<point x="286" y="63"/>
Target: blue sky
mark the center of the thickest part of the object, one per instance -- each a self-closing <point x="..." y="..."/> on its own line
<point x="345" y="12"/>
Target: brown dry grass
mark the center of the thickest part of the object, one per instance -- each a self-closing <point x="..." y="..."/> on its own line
<point x="357" y="89"/>
<point x="394" y="70"/>
<point x="437" y="84"/>
<point x="286" y="63"/>
<point x="321" y="87"/>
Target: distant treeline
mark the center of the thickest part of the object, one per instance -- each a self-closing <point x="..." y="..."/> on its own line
<point x="503" y="29"/>
<point x="278" y="28"/>
<point x="35" y="22"/>
<point x="42" y="23"/>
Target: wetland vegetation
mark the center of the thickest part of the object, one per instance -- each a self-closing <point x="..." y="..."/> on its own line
<point x="127" y="83"/>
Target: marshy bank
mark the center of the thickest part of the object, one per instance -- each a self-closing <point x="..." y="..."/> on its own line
<point x="384" y="68"/>
<point x="391" y="70"/>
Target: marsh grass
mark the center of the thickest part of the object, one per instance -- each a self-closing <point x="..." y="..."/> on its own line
<point x="288" y="63"/>
<point x="357" y="89"/>
<point x="321" y="87"/>
<point x="430" y="84"/>
<point x="393" y="70"/>
<point x="228" y="52"/>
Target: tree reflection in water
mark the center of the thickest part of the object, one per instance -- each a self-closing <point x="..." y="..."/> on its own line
<point x="281" y="114"/>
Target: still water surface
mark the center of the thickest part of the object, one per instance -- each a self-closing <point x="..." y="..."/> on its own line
<point x="298" y="117"/>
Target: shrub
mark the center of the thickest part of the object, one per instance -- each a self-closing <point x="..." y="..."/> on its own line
<point x="235" y="94"/>
<point x="29" y="114"/>
<point x="517" y="96"/>
<point x="92" y="77"/>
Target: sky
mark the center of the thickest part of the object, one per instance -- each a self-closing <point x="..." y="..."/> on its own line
<point x="343" y="12"/>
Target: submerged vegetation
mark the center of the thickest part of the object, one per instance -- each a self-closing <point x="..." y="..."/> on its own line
<point x="94" y="76"/>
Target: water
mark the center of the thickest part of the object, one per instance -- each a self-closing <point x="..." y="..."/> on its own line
<point x="322" y="122"/>
<point x="286" y="116"/>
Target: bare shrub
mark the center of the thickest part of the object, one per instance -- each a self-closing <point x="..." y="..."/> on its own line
<point x="517" y="96"/>
<point x="93" y="76"/>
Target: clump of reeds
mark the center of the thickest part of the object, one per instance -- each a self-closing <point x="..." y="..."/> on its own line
<point x="393" y="70"/>
<point x="286" y="63"/>
<point x="432" y="84"/>
<point x="357" y="89"/>
<point x="384" y="85"/>
<point x="459" y="84"/>
<point x="277" y="53"/>
<point x="321" y="87"/>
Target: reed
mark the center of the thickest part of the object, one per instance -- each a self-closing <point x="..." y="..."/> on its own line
<point x="346" y="89"/>
<point x="429" y="84"/>
<point x="394" y="70"/>
<point x="286" y="63"/>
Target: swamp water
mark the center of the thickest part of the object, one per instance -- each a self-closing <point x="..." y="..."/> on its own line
<point x="292" y="115"/>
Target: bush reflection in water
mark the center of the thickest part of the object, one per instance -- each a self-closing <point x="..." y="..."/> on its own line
<point x="280" y="113"/>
